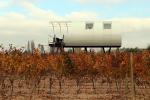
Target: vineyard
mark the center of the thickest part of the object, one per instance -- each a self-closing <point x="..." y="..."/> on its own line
<point x="74" y="76"/>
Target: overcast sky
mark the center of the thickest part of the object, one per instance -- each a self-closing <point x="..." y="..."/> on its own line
<point x="23" y="20"/>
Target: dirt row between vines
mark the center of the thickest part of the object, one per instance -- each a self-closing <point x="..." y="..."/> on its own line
<point x="103" y="90"/>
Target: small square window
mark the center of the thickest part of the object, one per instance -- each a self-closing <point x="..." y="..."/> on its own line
<point x="89" y="26"/>
<point x="107" y="25"/>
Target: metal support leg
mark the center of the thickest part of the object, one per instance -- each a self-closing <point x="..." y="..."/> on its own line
<point x="85" y="49"/>
<point x="62" y="49"/>
<point x="103" y="49"/>
<point x="52" y="49"/>
<point x="118" y="49"/>
<point x="57" y="50"/>
<point x="109" y="50"/>
<point x="73" y="50"/>
<point x="90" y="50"/>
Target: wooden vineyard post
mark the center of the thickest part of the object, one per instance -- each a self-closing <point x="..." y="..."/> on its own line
<point x="126" y="84"/>
<point x="132" y="77"/>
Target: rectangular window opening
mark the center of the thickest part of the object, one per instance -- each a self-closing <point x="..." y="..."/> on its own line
<point x="107" y="25"/>
<point x="89" y="26"/>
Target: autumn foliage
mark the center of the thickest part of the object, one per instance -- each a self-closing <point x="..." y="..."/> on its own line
<point x="17" y="65"/>
<point x="114" y="65"/>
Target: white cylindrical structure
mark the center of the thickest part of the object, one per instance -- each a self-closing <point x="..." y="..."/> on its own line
<point x="90" y="34"/>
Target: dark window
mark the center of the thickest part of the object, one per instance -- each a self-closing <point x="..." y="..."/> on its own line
<point x="89" y="26"/>
<point x="107" y="25"/>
